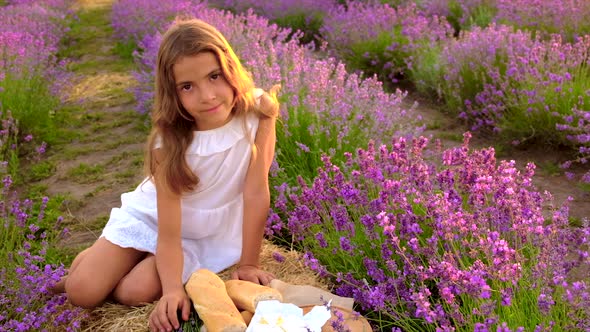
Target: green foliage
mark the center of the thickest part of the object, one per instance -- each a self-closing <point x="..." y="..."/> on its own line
<point x="14" y="232"/>
<point x="309" y="24"/>
<point x="9" y="148"/>
<point x="41" y="170"/>
<point x="291" y="158"/>
<point x="584" y="186"/>
<point x="373" y="56"/>
<point x="427" y="71"/>
<point x="303" y="136"/>
<point x="481" y="15"/>
<point x="455" y="15"/>
<point x="193" y="324"/>
<point x="28" y="98"/>
<point x="125" y="49"/>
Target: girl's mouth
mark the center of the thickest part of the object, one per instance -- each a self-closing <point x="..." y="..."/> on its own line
<point x="213" y="109"/>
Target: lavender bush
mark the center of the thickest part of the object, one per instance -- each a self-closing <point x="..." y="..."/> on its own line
<point x="26" y="276"/>
<point x="522" y="87"/>
<point x="305" y="16"/>
<point x="567" y="18"/>
<point x="387" y="40"/>
<point x="134" y="20"/>
<point x="462" y="14"/>
<point x="27" y="235"/>
<point x="441" y="241"/>
<point x="31" y="76"/>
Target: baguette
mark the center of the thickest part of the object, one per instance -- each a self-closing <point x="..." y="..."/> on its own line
<point x="214" y="306"/>
<point x="247" y="315"/>
<point x="246" y="294"/>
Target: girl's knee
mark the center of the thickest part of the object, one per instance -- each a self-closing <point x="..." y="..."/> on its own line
<point x="81" y="293"/>
<point x="134" y="294"/>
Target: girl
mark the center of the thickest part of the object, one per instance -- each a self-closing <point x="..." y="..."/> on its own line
<point x="205" y="200"/>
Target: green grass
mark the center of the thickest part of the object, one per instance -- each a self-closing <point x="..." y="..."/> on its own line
<point x="81" y="40"/>
<point x="455" y="137"/>
<point x="100" y="188"/>
<point x="124" y="141"/>
<point x="42" y="170"/>
<point x="550" y="168"/>
<point x="125" y="50"/>
<point x="584" y="186"/>
<point x="74" y="151"/>
<point x="101" y="126"/>
<point x="127" y="174"/>
<point x="85" y="173"/>
<point x="93" y="67"/>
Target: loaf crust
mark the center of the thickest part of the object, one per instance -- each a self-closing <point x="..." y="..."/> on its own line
<point x="246" y="294"/>
<point x="214" y="306"/>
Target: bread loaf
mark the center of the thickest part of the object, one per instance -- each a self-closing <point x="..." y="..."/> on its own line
<point x="214" y="306"/>
<point x="246" y="294"/>
<point x="247" y="315"/>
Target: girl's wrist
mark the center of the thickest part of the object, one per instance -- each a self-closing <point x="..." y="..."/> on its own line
<point x="240" y="265"/>
<point x="172" y="288"/>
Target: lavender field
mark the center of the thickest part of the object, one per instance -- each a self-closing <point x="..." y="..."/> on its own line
<point x="427" y="230"/>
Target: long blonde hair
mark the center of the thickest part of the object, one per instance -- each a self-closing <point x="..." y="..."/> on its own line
<point x="172" y="126"/>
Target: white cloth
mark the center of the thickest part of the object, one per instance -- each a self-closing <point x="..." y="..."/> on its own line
<point x="212" y="215"/>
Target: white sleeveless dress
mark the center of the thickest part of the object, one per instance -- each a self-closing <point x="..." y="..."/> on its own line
<point x="212" y="215"/>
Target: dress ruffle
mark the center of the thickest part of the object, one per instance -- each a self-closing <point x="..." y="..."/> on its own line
<point x="208" y="142"/>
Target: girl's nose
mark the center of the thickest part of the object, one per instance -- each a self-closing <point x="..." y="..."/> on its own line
<point x="208" y="94"/>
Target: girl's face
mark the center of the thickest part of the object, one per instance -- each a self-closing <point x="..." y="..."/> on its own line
<point x="203" y="90"/>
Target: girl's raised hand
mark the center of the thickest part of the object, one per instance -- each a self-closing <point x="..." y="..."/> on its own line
<point x="253" y="274"/>
<point x="164" y="317"/>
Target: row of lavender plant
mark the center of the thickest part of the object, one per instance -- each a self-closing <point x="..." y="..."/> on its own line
<point x="524" y="86"/>
<point x="566" y="18"/>
<point x="519" y="86"/>
<point x="441" y="240"/>
<point x="426" y="244"/>
<point x="30" y="33"/>
<point x="31" y="76"/>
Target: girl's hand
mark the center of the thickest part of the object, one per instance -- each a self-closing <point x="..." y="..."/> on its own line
<point x="164" y="317"/>
<point x="253" y="274"/>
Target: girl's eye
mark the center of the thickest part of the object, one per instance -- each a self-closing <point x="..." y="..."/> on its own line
<point x="215" y="76"/>
<point x="186" y="87"/>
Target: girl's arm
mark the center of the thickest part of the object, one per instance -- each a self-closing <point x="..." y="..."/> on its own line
<point x="257" y="201"/>
<point x="169" y="256"/>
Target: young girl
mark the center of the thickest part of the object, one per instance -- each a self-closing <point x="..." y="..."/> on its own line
<point x="205" y="200"/>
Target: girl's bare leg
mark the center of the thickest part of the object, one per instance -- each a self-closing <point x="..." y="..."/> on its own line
<point x="60" y="286"/>
<point x="141" y="285"/>
<point x="98" y="273"/>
